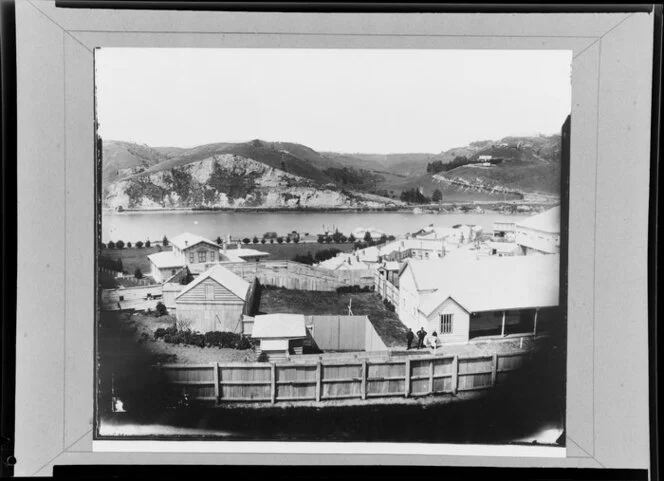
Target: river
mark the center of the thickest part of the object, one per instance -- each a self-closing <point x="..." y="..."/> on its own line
<point x="135" y="226"/>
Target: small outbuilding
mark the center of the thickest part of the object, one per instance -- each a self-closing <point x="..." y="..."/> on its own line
<point x="280" y="334"/>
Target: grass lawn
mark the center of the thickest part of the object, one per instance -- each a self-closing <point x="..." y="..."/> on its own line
<point x="288" y="251"/>
<point x="311" y="303"/>
<point x="134" y="257"/>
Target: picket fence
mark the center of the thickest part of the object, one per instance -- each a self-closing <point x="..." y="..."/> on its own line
<point x="333" y="380"/>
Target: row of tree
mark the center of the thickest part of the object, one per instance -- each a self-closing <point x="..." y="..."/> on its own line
<point x="415" y="196"/>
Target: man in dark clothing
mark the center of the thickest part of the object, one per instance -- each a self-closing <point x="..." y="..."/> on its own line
<point x="421" y="334"/>
<point x="409" y="337"/>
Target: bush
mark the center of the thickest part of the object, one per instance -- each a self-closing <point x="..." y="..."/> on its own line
<point x="111" y="245"/>
<point x="255" y="240"/>
<point x="138" y="274"/>
<point x="139" y="244"/>
<point x="164" y="242"/>
<point x="119" y="245"/>
<point x="147" y="243"/>
<point x="296" y="240"/>
<point x="263" y="241"/>
<point x="349" y="289"/>
<point x="246" y="240"/>
<point x="262" y="357"/>
<point x="161" y="309"/>
<point x="280" y="240"/>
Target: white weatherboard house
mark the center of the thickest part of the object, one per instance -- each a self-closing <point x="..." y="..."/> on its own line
<point x="280" y="334"/>
<point x="198" y="254"/>
<point x="214" y="301"/>
<point x="460" y="299"/>
<point x="188" y="250"/>
<point x="540" y="234"/>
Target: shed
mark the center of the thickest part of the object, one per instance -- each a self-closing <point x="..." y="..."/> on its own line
<point x="280" y="334"/>
<point x="215" y="301"/>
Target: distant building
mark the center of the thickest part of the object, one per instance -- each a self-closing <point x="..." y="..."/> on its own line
<point x="188" y="250"/>
<point x="504" y="231"/>
<point x="485" y="158"/>
<point x="241" y="254"/>
<point x="540" y="234"/>
<point x="214" y="301"/>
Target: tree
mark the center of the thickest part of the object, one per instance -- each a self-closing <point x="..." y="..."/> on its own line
<point x="160" y="309"/>
<point x="280" y="240"/>
<point x="437" y="195"/>
<point x="351" y="238"/>
<point x="255" y="240"/>
<point x="138" y="274"/>
<point x="321" y="239"/>
<point x="128" y="245"/>
<point x="139" y="244"/>
<point x="296" y="240"/>
<point x="119" y="245"/>
<point x="219" y="241"/>
<point x="367" y="237"/>
<point x="187" y="277"/>
<point x="111" y="245"/>
<point x="288" y="239"/>
<point x="147" y="243"/>
<point x="263" y="240"/>
<point x="102" y="245"/>
<point x="383" y="239"/>
<point x="164" y="242"/>
<point x="246" y="240"/>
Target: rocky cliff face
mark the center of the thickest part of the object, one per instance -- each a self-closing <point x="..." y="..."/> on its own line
<point x="229" y="181"/>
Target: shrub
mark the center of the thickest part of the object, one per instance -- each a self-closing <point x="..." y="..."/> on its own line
<point x="246" y="240"/>
<point x="119" y="245"/>
<point x="147" y="243"/>
<point x="288" y="239"/>
<point x="255" y="240"/>
<point x="271" y="241"/>
<point x="111" y="245"/>
<point x="280" y="240"/>
<point x="263" y="241"/>
<point x="138" y="274"/>
<point x="296" y="240"/>
<point x="243" y="343"/>
<point x="262" y="357"/>
<point x="161" y="309"/>
<point x="164" y="242"/>
<point x="128" y="245"/>
<point x="139" y="244"/>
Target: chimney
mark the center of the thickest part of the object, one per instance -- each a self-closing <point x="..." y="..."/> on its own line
<point x="186" y="243"/>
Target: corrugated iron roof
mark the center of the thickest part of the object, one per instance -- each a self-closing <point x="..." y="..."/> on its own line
<point x="279" y="326"/>
<point x="547" y="221"/>
<point x="223" y="276"/>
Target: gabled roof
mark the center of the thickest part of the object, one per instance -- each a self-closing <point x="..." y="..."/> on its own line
<point x="165" y="259"/>
<point x="547" y="221"/>
<point x="279" y="326"/>
<point x="187" y="240"/>
<point x="499" y="283"/>
<point x="223" y="276"/>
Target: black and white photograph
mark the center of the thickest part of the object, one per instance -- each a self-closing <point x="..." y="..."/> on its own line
<point x="331" y="245"/>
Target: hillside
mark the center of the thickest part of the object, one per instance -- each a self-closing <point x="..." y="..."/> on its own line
<point x="261" y="174"/>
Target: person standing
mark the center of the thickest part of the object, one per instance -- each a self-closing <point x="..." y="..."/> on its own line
<point x="421" y="334"/>
<point x="409" y="337"/>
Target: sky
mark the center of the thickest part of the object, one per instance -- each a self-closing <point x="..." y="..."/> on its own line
<point x="342" y="100"/>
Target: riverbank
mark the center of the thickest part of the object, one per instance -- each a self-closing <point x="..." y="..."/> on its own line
<point x="497" y="207"/>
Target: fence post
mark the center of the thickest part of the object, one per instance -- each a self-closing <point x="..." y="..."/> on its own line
<point x="431" y="376"/>
<point x="319" y="375"/>
<point x="364" y="378"/>
<point x="407" y="378"/>
<point x="494" y="369"/>
<point x="455" y="374"/>
<point x="273" y="383"/>
<point x="216" y="383"/>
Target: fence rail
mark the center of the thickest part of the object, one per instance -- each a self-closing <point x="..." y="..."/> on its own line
<point x="356" y="379"/>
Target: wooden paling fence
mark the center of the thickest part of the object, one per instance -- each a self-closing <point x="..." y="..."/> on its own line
<point x="332" y="380"/>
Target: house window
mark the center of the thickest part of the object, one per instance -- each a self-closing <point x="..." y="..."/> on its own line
<point x="209" y="293"/>
<point x="446" y="323"/>
<point x="201" y="256"/>
<point x="191" y="257"/>
<point x="426" y="255"/>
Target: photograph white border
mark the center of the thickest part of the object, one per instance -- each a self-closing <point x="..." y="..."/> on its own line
<point x="611" y="115"/>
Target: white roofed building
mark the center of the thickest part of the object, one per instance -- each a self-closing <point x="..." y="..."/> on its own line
<point x="280" y="334"/>
<point x="461" y="298"/>
<point x="539" y="234"/>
